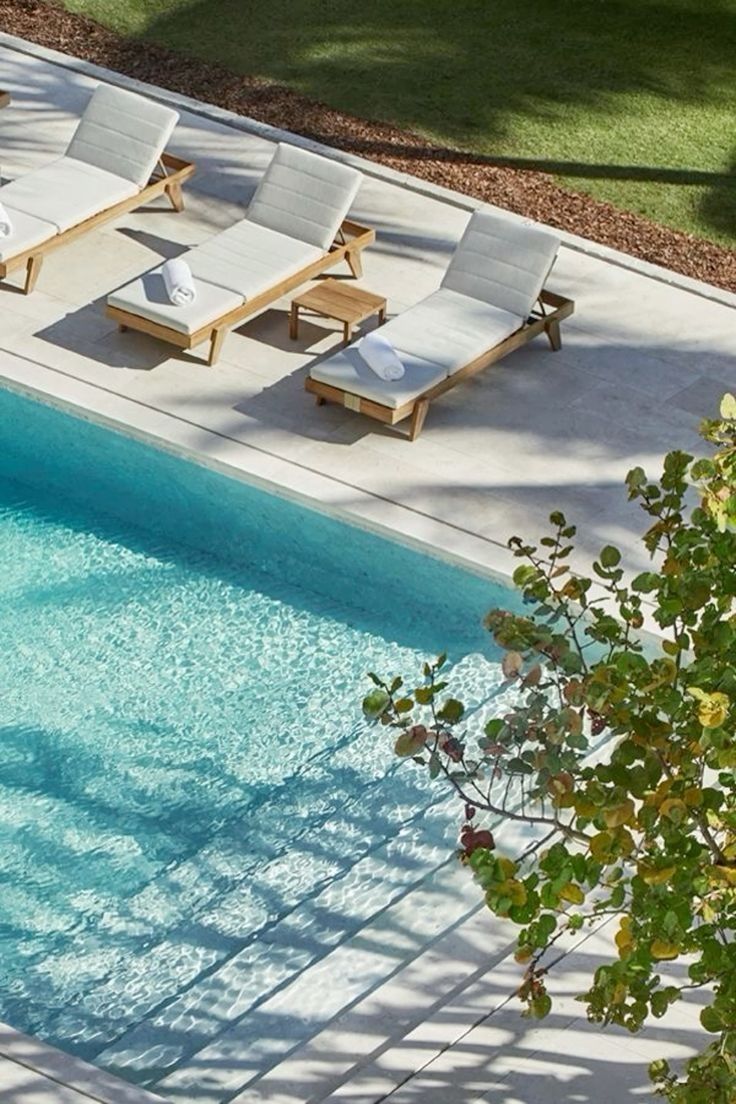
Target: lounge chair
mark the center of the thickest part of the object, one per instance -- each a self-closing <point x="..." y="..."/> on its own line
<point x="114" y="162"/>
<point x="295" y="228"/>
<point x="491" y="301"/>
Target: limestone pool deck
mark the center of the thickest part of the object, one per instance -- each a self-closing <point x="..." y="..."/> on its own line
<point x="644" y="357"/>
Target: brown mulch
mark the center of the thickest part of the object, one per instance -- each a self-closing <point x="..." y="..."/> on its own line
<point x="528" y="192"/>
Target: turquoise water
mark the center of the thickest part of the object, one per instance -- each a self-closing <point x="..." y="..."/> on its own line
<point x="184" y="772"/>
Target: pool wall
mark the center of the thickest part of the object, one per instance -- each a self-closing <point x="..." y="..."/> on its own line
<point x="70" y="459"/>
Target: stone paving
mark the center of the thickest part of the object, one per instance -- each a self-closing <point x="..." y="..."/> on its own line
<point x="642" y="361"/>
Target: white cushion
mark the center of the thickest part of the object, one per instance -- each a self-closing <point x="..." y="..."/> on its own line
<point x="66" y="192"/>
<point x="449" y="329"/>
<point x="122" y="133"/>
<point x="27" y="232"/>
<point x="147" y="298"/>
<point x="502" y="262"/>
<point x="348" y="371"/>
<point x="304" y="195"/>
<point x="249" y="258"/>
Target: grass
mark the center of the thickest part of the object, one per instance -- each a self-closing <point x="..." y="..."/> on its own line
<point x="629" y="100"/>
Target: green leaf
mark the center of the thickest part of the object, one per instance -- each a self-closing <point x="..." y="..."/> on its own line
<point x="658" y="1069"/>
<point x="451" y="711"/>
<point x="494" y="727"/>
<point x="645" y="582"/>
<point x="374" y="704"/>
<point x="712" y="1020"/>
<point x="525" y="574"/>
<point x="609" y="556"/>
<point x="636" y="478"/>
<point x="541" y="1006"/>
<point x="618" y="896"/>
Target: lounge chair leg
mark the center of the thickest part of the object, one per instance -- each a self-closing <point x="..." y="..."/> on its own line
<point x="33" y="267"/>
<point x="355" y="262"/>
<point x="218" y="336"/>
<point x="122" y="327"/>
<point x="294" y="321"/>
<point x="320" y="400"/>
<point x="552" y="329"/>
<point x="417" y="418"/>
<point x="174" y="192"/>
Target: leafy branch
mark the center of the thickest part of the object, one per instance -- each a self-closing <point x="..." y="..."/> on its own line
<point x="646" y="834"/>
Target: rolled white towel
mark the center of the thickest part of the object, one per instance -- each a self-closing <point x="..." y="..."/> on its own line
<point x="381" y="357"/>
<point x="179" y="282"/>
<point x="6" y="223"/>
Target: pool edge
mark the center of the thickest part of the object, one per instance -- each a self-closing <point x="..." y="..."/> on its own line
<point x="63" y="1071"/>
<point x="252" y="464"/>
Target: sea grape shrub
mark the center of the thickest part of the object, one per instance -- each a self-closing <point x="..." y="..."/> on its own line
<point x="642" y="837"/>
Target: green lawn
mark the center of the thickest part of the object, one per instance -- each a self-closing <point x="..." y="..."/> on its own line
<point x="588" y="89"/>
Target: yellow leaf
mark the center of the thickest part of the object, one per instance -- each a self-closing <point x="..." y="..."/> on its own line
<point x="724" y="874"/>
<point x="600" y="846"/>
<point x="674" y="809"/>
<point x="619" y="994"/>
<point x="660" y="949"/>
<point x="728" y="408"/>
<point x="572" y="893"/>
<point x="655" y="875"/>
<point x="508" y="867"/>
<point x="514" y="890"/>
<point x="623" y="937"/>
<point x="584" y="807"/>
<point x="712" y="708"/>
<point x="619" y="814"/>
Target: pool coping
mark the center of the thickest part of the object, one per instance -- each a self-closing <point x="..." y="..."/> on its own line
<point x="368" y="167"/>
<point x="67" y="1072"/>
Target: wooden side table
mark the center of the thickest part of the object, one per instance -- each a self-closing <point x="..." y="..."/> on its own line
<point x="335" y="299"/>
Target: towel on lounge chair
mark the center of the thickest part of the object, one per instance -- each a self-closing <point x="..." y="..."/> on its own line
<point x="6" y="225"/>
<point x="179" y="282"/>
<point x="381" y="357"/>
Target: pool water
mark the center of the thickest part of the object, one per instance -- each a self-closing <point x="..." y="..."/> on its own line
<point x="186" y="781"/>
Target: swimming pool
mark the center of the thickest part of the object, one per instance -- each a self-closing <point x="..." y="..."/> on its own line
<point x="192" y="812"/>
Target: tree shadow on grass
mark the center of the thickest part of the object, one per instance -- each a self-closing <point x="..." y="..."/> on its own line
<point x="465" y="69"/>
<point x="488" y="77"/>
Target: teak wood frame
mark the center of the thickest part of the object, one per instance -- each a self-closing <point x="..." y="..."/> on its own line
<point x="167" y="179"/>
<point x="349" y="243"/>
<point x="539" y="321"/>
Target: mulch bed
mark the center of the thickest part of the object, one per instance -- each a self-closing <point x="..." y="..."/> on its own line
<point x="527" y="192"/>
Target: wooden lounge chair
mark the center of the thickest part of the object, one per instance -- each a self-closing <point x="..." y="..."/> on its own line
<point x="491" y="301"/>
<point x="295" y="228"/>
<point x="114" y="162"/>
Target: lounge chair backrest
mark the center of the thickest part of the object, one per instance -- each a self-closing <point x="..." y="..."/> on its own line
<point x="123" y="133"/>
<point x="502" y="262"/>
<point x="304" y="195"/>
